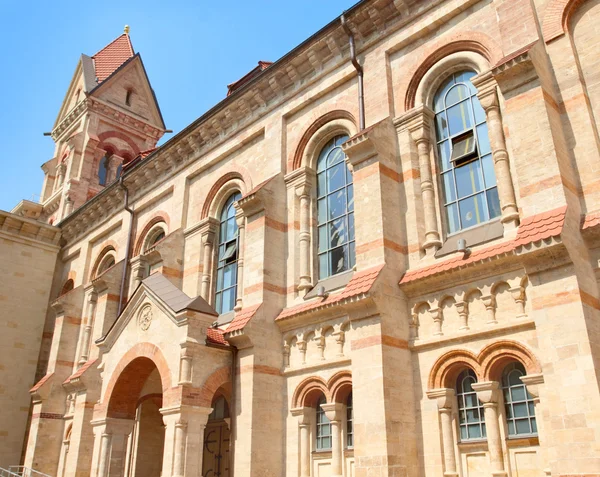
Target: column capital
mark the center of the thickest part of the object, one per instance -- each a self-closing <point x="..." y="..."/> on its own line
<point x="303" y="414"/>
<point x="444" y="397"/>
<point x="239" y="216"/>
<point x="487" y="391"/>
<point x="333" y="410"/>
<point x="532" y="383"/>
<point x="298" y="178"/>
<point x="487" y="90"/>
<point x="208" y="229"/>
<point x="417" y="122"/>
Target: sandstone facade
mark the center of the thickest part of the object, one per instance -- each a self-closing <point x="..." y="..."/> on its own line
<point x="277" y="291"/>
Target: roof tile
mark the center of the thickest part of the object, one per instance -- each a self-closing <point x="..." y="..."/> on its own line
<point x="40" y="383"/>
<point x="80" y="371"/>
<point x="242" y="318"/>
<point x="215" y="336"/>
<point x="113" y="55"/>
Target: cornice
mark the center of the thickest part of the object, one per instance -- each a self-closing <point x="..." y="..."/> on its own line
<point x="29" y="229"/>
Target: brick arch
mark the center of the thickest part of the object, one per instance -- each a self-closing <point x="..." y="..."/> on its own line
<point x="312" y="130"/>
<point x="495" y="356"/>
<point x="221" y="378"/>
<point x="107" y="247"/>
<point x="119" y="135"/>
<point x="448" y="366"/>
<point x="308" y="392"/>
<point x="340" y="386"/>
<point x="130" y="375"/>
<point x="217" y="186"/>
<point x="557" y="16"/>
<point x="472" y="41"/>
<point x="157" y="218"/>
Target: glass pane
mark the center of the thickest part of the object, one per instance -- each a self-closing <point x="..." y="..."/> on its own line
<point x="472" y="211"/>
<point x="325" y="443"/>
<point x="448" y="189"/>
<point x="351" y="227"/>
<point x="348" y="175"/>
<point x="229" y="252"/>
<point x="321" y="163"/>
<point x="337" y="204"/>
<point x="463" y="146"/>
<point x="323" y="244"/>
<point x="518" y="394"/>
<point x="231" y="208"/>
<point x="534" y="426"/>
<point x="441" y="126"/>
<point x="493" y="202"/>
<point x="465" y="77"/>
<point x="231" y="229"/>
<point x="322" y="211"/>
<point x="323" y="267"/>
<point x="452" y="216"/>
<point x="520" y="409"/>
<point x="471" y="400"/>
<point x="511" y="428"/>
<point x="350" y="190"/>
<point x="478" y="110"/>
<point x="339" y="260"/>
<point x="335" y="177"/>
<point x="474" y="431"/>
<point x="228" y="299"/>
<point x="523" y="426"/>
<point x="459" y="118"/>
<point x="441" y="94"/>
<point x="509" y="413"/>
<point x="335" y="156"/>
<point x="229" y="274"/>
<point x="531" y="408"/>
<point x="483" y="139"/>
<point x="463" y="433"/>
<point x="218" y="298"/>
<point x="220" y="279"/>
<point x="472" y="415"/>
<point x="351" y="255"/>
<point x="444" y="152"/>
<point x="456" y="94"/>
<point x="488" y="170"/>
<point x="341" y="140"/>
<point x="321" y="185"/>
<point x="468" y="179"/>
<point x="338" y="233"/>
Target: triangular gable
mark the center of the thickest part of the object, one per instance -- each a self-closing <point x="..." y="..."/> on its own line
<point x="131" y="72"/>
<point x="78" y="83"/>
<point x="166" y="296"/>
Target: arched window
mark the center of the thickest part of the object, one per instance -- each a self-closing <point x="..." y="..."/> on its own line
<point x="155" y="235"/>
<point x="128" y="97"/>
<point x="323" y="427"/>
<point x="67" y="287"/>
<point x="468" y="180"/>
<point x="519" y="406"/>
<point x="335" y="210"/>
<point x="349" y="422"/>
<point x="226" y="291"/>
<point x="220" y="410"/>
<point x="107" y="262"/>
<point x="103" y="170"/>
<point x="471" y="420"/>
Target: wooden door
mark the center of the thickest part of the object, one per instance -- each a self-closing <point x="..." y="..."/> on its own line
<point x="215" y="462"/>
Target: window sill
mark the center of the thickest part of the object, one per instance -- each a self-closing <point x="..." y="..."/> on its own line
<point x="226" y="318"/>
<point x="522" y="441"/>
<point x="474" y="444"/>
<point x="321" y="454"/>
<point x="477" y="235"/>
<point x="332" y="283"/>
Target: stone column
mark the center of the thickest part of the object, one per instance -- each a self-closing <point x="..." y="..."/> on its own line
<point x="60" y="175"/>
<point x="334" y="413"/>
<point x="139" y="271"/>
<point x="241" y="223"/>
<point x="463" y="311"/>
<point x="487" y="92"/>
<point x="487" y="393"/>
<point x="208" y="241"/>
<point x="303" y="192"/>
<point x="445" y="401"/>
<point x="68" y="206"/>
<point x="92" y="300"/>
<point x="304" y="414"/>
<point x="438" y="318"/>
<point x="418" y="122"/>
<point x="105" y="441"/>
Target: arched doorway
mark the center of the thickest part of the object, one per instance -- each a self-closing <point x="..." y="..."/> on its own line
<point x="138" y="435"/>
<point x="216" y="457"/>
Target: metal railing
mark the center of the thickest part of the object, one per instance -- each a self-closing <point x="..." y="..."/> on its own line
<point x="21" y="471"/>
<point x="7" y="473"/>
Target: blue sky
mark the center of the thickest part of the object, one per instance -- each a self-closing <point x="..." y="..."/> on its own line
<point x="191" y="51"/>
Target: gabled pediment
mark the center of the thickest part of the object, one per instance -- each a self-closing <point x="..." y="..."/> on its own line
<point x="157" y="298"/>
<point x="75" y="93"/>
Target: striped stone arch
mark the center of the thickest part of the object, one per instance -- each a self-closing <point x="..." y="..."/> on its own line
<point x="157" y="218"/>
<point x="242" y="184"/>
<point x="448" y="366"/>
<point x="340" y="385"/>
<point x="308" y="391"/>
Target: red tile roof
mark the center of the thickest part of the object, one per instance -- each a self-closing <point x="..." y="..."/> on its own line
<point x="113" y="55"/>
<point x="40" y="383"/>
<point x="590" y="220"/>
<point x="80" y="371"/>
<point x="242" y="318"/>
<point x="532" y="229"/>
<point x="361" y="283"/>
<point x="215" y="336"/>
<point x="262" y="65"/>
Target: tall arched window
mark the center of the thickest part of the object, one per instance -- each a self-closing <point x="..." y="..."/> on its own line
<point x="226" y="291"/>
<point x="471" y="420"/>
<point x="335" y="210"/>
<point x="468" y="180"/>
<point x="103" y="170"/>
<point x="323" y="427"/>
<point x="349" y="422"/>
<point x="519" y="406"/>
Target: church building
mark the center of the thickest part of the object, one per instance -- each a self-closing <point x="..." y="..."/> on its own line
<point x="378" y="256"/>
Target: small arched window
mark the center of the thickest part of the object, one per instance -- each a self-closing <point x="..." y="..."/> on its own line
<point x="226" y="290"/>
<point x="323" y="427"/>
<point x="335" y="210"/>
<point x="220" y="410"/>
<point x="468" y="180"/>
<point x="519" y="405"/>
<point x="471" y="419"/>
<point x="107" y="262"/>
<point x="103" y="170"/>
<point x="128" y="97"/>
<point x="349" y="422"/>
<point x="155" y="235"/>
<point x="67" y="287"/>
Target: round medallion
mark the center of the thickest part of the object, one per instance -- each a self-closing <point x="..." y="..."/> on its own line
<point x="145" y="317"/>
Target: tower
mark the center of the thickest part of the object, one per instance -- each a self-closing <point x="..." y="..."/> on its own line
<point x="108" y="116"/>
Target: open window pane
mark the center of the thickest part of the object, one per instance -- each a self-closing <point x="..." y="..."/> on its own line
<point x="463" y="147"/>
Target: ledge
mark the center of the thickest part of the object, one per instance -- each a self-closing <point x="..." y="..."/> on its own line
<point x="332" y="363"/>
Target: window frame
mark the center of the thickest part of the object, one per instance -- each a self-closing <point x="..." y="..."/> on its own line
<point x="320" y="425"/>
<point x="349" y="435"/>
<point x="218" y="292"/>
<point x="460" y="396"/>
<point x="449" y="198"/>
<point x="349" y="244"/>
<point x="531" y="418"/>
<point x="104" y="163"/>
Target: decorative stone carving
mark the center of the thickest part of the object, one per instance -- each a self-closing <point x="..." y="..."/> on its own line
<point x="145" y="317"/>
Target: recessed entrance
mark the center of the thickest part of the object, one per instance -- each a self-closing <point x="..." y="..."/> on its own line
<point x="215" y="462"/>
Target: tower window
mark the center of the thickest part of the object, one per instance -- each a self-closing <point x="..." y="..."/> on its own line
<point x="103" y="170"/>
<point x="226" y="292"/>
<point x="128" y="97"/>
